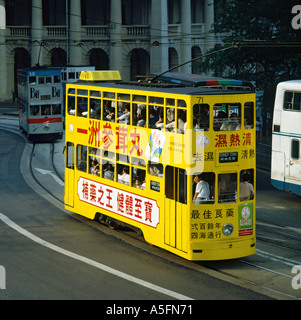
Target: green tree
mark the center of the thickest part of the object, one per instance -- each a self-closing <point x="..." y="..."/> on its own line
<point x="268" y="48"/>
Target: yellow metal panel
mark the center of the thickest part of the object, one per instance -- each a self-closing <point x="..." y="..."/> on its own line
<point x="107" y="75"/>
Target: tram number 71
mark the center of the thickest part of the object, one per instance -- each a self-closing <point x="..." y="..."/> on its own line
<point x="171" y="309"/>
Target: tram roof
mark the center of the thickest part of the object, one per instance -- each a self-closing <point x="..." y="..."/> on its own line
<point x="162" y="88"/>
<point x="196" y="80"/>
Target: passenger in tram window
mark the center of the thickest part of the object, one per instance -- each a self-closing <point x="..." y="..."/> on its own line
<point x="46" y="110"/>
<point x="246" y="190"/>
<point x="108" y="171"/>
<point x="124" y="176"/>
<point x="227" y="187"/>
<point x="181" y="121"/>
<point x="125" y="118"/>
<point x="160" y="123"/>
<point x="202" y="190"/>
<point x="95" y="167"/>
<point x="142" y="118"/>
<point x="153" y="117"/>
<point x="170" y="119"/>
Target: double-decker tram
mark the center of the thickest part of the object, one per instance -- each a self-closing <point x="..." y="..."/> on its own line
<point x="40" y="96"/>
<point x="176" y="163"/>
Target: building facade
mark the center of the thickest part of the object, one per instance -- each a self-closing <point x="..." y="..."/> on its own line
<point x="136" y="37"/>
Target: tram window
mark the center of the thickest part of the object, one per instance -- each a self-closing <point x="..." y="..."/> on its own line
<point x="71" y="91"/>
<point x="205" y="191"/>
<point x="139" y="98"/>
<point x="124" y="113"/>
<point x="109" y="110"/>
<point x="94" y="166"/>
<point x="156" y="100"/>
<point x="181" y="121"/>
<point x="249" y="115"/>
<point x="138" y="178"/>
<point x="48" y="80"/>
<point x="56" y="109"/>
<point x="155" y="169"/>
<point x="227" y="187"/>
<point x="246" y="189"/>
<point x="157" y="116"/>
<point x="82" y="92"/>
<point x="71" y="75"/>
<point x="95" y="108"/>
<point x="41" y="80"/>
<point x="32" y="80"/>
<point x="123" y="158"/>
<point x="123" y="174"/>
<point x="295" y="151"/>
<point x="57" y="79"/>
<point x="139" y="115"/>
<point x="82" y="107"/>
<point x="152" y="117"/>
<point x="138" y="162"/>
<point x="71" y="105"/>
<point x="201" y="117"/>
<point x="108" y="154"/>
<point x="34" y="110"/>
<point x="70" y="155"/>
<point x="109" y="95"/>
<point x="108" y="170"/>
<point x="81" y="158"/>
<point x="95" y="93"/>
<point x="170" y="119"/>
<point x="123" y="96"/>
<point x="227" y="116"/>
<point x="182" y="104"/>
<point x="46" y="110"/>
<point x="170" y="102"/>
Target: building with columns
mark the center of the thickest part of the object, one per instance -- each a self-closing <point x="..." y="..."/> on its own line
<point x="136" y="37"/>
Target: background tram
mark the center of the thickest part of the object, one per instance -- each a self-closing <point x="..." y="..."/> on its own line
<point x="135" y="154"/>
<point x="286" y="138"/>
<point x="40" y="95"/>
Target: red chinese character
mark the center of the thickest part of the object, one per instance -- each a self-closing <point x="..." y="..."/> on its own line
<point x="138" y="208"/>
<point x="129" y="205"/>
<point x="247" y="139"/>
<point x="120" y="202"/>
<point x="94" y="136"/>
<point x="234" y="140"/>
<point x="107" y="133"/>
<point x="85" y="190"/>
<point x="148" y="211"/>
<point x="93" y="192"/>
<point x="221" y="141"/>
<point x="100" y="192"/>
<point x="136" y="143"/>
<point x="122" y="138"/>
<point x="109" y="198"/>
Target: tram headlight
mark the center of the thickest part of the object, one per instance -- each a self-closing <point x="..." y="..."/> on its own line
<point x="228" y="229"/>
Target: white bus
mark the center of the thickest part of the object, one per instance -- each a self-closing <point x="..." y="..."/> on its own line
<point x="286" y="137"/>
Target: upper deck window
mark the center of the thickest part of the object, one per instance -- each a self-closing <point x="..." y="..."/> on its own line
<point x="227" y="116"/>
<point x="292" y="101"/>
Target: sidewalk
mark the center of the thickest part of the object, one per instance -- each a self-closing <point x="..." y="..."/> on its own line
<point x="9" y="108"/>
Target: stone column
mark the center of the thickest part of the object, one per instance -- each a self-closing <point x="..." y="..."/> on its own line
<point x="185" y="45"/>
<point x="36" y="33"/>
<point x="159" y="37"/>
<point x="208" y="20"/>
<point x="75" y="29"/>
<point x="116" y="59"/>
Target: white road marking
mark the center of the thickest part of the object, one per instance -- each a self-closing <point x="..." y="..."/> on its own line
<point x="90" y="262"/>
<point x="57" y="179"/>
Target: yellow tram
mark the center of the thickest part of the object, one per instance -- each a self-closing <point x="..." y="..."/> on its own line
<point x="176" y="163"/>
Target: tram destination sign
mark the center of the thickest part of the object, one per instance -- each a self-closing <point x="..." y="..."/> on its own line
<point x="227" y="157"/>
